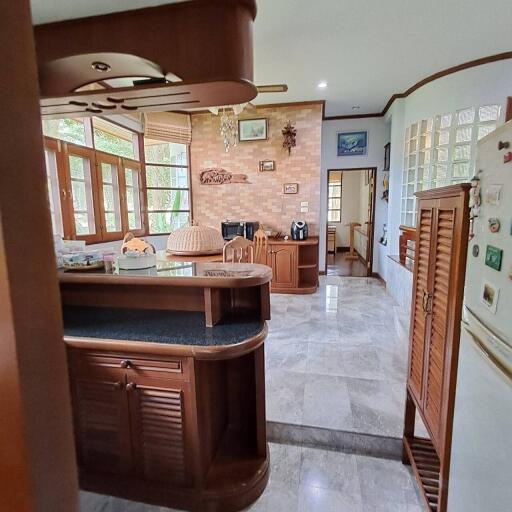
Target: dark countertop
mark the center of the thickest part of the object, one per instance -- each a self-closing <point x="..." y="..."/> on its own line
<point x="156" y="326"/>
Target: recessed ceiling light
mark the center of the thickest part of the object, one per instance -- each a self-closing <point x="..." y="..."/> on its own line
<point x="322" y="85"/>
<point x="356" y="107"/>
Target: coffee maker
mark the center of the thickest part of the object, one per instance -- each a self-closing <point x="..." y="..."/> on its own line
<point x="299" y="230"/>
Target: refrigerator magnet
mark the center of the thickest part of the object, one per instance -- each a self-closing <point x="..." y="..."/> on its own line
<point x="492" y="195"/>
<point x="494" y="225"/>
<point x="476" y="250"/>
<point x="490" y="297"/>
<point x="493" y="257"/>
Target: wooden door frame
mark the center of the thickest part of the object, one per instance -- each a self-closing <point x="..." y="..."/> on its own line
<point x="37" y="467"/>
<point x="373" y="200"/>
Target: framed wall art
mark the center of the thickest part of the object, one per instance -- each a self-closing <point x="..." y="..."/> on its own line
<point x="291" y="188"/>
<point x="267" y="165"/>
<point x="252" y="129"/>
<point x="352" y="143"/>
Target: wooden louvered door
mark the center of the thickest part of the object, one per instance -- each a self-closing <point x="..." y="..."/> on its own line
<point x="438" y="311"/>
<point x="419" y="318"/>
<point x="441" y="247"/>
<point x="101" y="419"/>
<point x="157" y="409"/>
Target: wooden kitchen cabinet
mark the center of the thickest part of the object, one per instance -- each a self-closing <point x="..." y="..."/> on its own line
<point x="283" y="260"/>
<point x="441" y="246"/>
<point x="126" y="422"/>
<point x="294" y="265"/>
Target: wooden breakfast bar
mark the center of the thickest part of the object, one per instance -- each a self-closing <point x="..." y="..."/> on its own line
<point x="167" y="381"/>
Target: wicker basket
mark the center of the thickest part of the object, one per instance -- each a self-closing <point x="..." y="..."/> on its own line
<point x="195" y="240"/>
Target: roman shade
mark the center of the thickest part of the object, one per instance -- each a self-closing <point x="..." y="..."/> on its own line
<point x="168" y="126"/>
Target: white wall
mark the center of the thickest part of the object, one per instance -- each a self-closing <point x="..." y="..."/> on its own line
<point x="364" y="197"/>
<point x="487" y="84"/>
<point x="378" y="136"/>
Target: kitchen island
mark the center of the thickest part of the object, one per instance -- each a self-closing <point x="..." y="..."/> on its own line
<point x="167" y="381"/>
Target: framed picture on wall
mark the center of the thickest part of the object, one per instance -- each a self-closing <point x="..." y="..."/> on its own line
<point x="252" y="129"/>
<point x="291" y="188"/>
<point x="387" y="156"/>
<point x="352" y="143"/>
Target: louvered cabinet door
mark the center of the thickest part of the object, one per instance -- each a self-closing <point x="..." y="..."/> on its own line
<point x="102" y="421"/>
<point x="157" y="409"/>
<point x="419" y="324"/>
<point x="442" y="287"/>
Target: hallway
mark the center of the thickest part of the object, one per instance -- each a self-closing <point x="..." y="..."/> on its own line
<point x="338" y="265"/>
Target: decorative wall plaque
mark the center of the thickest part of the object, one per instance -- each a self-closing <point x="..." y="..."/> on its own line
<point x="218" y="176"/>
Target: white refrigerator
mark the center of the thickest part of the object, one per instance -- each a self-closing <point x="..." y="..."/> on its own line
<point x="481" y="458"/>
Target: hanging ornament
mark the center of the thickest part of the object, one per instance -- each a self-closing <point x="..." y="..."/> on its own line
<point x="228" y="129"/>
<point x="289" y="137"/>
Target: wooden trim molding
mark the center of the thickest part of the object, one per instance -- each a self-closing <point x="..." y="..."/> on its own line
<point x="440" y="74"/>
<point x="37" y="465"/>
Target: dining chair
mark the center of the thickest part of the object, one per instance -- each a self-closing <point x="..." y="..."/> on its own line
<point x="260" y="246"/>
<point x="238" y="250"/>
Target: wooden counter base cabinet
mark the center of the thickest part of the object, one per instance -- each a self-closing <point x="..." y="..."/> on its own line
<point x="170" y="431"/>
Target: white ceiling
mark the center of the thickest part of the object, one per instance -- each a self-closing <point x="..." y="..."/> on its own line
<point x="365" y="50"/>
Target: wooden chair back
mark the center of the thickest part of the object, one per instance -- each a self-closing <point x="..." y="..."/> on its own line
<point x="238" y="250"/>
<point x="260" y="246"/>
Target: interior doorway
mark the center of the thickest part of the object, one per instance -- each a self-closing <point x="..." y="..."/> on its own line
<point x="350" y="221"/>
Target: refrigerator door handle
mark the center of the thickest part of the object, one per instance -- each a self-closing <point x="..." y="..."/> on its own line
<point x="489" y="355"/>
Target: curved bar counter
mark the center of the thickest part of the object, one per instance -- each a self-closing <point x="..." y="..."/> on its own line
<point x="167" y="409"/>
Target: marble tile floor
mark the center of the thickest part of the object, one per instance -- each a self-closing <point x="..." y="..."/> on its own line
<point x="311" y="480"/>
<point x="337" y="359"/>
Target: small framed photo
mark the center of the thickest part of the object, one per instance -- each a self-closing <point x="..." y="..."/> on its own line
<point x="387" y="156"/>
<point x="291" y="188"/>
<point x="352" y="143"/>
<point x="267" y="165"/>
<point x="490" y="296"/>
<point x="252" y="129"/>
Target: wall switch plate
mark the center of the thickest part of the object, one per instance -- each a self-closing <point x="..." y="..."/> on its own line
<point x="304" y="209"/>
<point x="304" y="204"/>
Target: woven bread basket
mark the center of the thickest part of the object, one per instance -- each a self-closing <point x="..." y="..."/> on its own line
<point x="195" y="240"/>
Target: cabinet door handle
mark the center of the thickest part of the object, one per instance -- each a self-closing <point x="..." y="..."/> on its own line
<point x="118" y="385"/>
<point x="425" y="301"/>
<point x="125" y="363"/>
<point x="131" y="386"/>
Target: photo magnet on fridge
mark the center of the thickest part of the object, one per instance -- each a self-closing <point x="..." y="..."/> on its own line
<point x="490" y="296"/>
<point x="492" y="195"/>
<point x="493" y="257"/>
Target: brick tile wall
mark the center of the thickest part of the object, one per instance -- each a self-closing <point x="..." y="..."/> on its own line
<point x="262" y="199"/>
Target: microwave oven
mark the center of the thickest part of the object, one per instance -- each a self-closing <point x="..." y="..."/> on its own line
<point x="244" y="228"/>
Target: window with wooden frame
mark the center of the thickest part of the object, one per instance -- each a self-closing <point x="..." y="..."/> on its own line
<point x="167" y="185"/>
<point x="334" y="196"/>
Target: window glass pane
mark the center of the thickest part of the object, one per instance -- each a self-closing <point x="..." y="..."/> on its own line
<point x="159" y="152"/>
<point x="110" y="138"/>
<point x="485" y="130"/>
<point x="462" y="152"/>
<point x="442" y="155"/>
<point x="76" y="167"/>
<point x="334" y="216"/>
<point x="69" y="130"/>
<point x="489" y="113"/>
<point x="165" y="222"/>
<point x="464" y="134"/>
<point x="53" y="192"/>
<point x="444" y="121"/>
<point x="334" y="204"/>
<point x="443" y="137"/>
<point x="335" y="191"/>
<point x="461" y="170"/>
<point x="132" y="199"/>
<point x="466" y="116"/>
<point x="170" y="177"/>
<point x="81" y="189"/>
<point x="168" y="199"/>
<point x="111" y="204"/>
